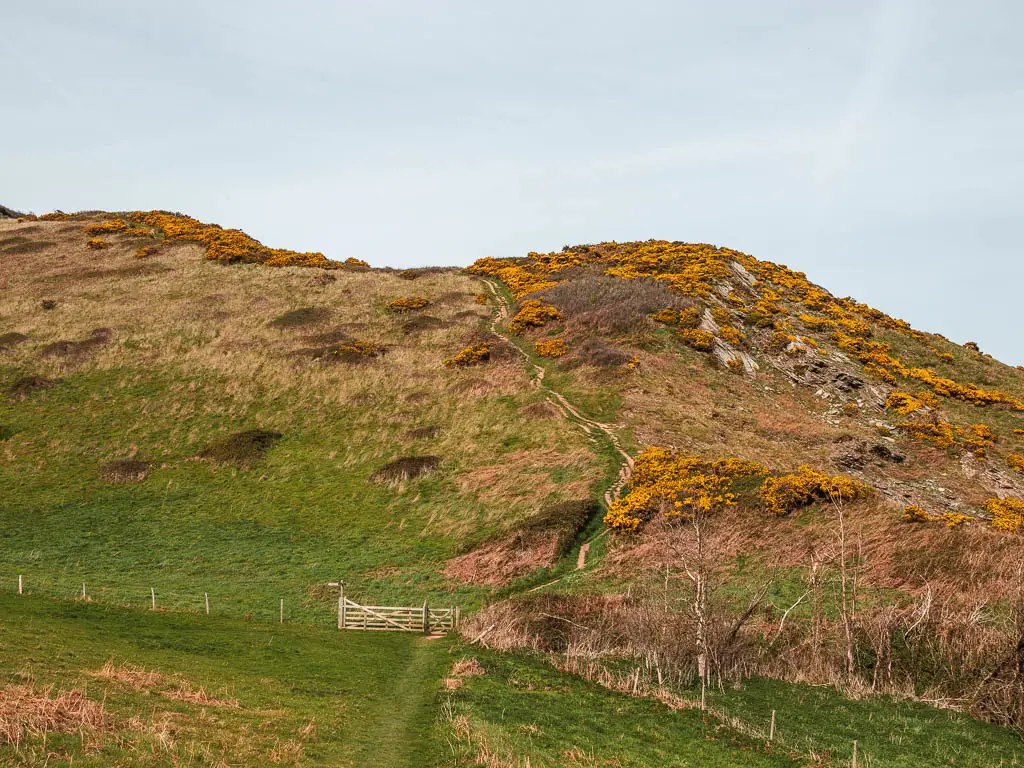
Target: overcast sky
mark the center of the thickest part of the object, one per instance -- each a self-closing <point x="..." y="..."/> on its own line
<point x="876" y="146"/>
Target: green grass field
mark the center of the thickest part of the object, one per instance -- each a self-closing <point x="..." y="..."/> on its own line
<point x="305" y="696"/>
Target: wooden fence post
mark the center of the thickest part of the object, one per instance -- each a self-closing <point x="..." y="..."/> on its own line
<point x="771" y="733"/>
<point x="206" y="596"/>
<point x="152" y="598"/>
<point x="341" y="605"/>
<point x="854" y="755"/>
<point x="19" y="584"/>
<point x="281" y="620"/>
<point x="426" y="618"/>
<point x="83" y="590"/>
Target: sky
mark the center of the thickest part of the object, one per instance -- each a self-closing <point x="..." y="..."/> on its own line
<point x="876" y="145"/>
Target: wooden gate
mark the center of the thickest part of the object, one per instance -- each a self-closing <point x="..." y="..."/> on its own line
<point x="392" y="618"/>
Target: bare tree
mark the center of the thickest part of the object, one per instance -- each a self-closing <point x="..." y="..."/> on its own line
<point x="848" y="591"/>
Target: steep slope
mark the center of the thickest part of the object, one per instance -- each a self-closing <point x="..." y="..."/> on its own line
<point x="252" y="432"/>
<point x="857" y="482"/>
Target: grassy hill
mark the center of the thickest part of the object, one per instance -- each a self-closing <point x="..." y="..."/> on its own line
<point x="188" y="411"/>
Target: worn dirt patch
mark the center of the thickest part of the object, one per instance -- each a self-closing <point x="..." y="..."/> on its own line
<point x="124" y="471"/>
<point x="536" y="543"/>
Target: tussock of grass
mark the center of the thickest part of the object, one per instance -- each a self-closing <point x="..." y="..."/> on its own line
<point x="406" y="468"/>
<point x="28" y="711"/>
<point x="27" y="385"/>
<point x="97" y="338"/>
<point x="242" y="448"/>
<point x="421" y="323"/>
<point x="423" y="433"/>
<point x="11" y="340"/>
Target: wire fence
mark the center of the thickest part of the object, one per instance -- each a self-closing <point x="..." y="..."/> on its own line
<point x="287" y="604"/>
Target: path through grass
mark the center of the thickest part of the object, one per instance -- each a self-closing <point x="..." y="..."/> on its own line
<point x="306" y="696"/>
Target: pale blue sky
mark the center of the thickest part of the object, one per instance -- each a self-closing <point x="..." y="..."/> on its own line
<point x="876" y="146"/>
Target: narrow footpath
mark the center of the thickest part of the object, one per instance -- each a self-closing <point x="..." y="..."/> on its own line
<point x="568" y="411"/>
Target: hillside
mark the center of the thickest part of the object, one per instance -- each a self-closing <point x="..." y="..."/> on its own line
<point x="647" y="465"/>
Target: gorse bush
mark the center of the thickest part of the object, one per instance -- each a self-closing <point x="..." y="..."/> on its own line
<point x="96" y="243"/>
<point x="675" y="485"/>
<point x="700" y="271"/>
<point x="550" y="347"/>
<point x="408" y="304"/>
<point x="783" y="494"/>
<point x="914" y="514"/>
<point x="474" y="355"/>
<point x="1007" y="514"/>
<point x="702" y="341"/>
<point x="532" y="314"/>
<point x="230" y="245"/>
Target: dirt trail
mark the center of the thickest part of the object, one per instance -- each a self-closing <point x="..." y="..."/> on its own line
<point x="564" y="407"/>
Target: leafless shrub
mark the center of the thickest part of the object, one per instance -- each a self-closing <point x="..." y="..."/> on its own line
<point x="601" y="354"/>
<point x="610" y="305"/>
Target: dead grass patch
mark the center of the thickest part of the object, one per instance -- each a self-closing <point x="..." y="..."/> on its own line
<point x="406" y="468"/>
<point x="141" y="679"/>
<point x="27" y="385"/>
<point x="323" y="279"/>
<point x="423" y="433"/>
<point x="26" y="711"/>
<point x="124" y="471"/>
<point x="242" y="448"/>
<point x="542" y="410"/>
<point x="537" y="543"/>
<point x="462" y="669"/>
